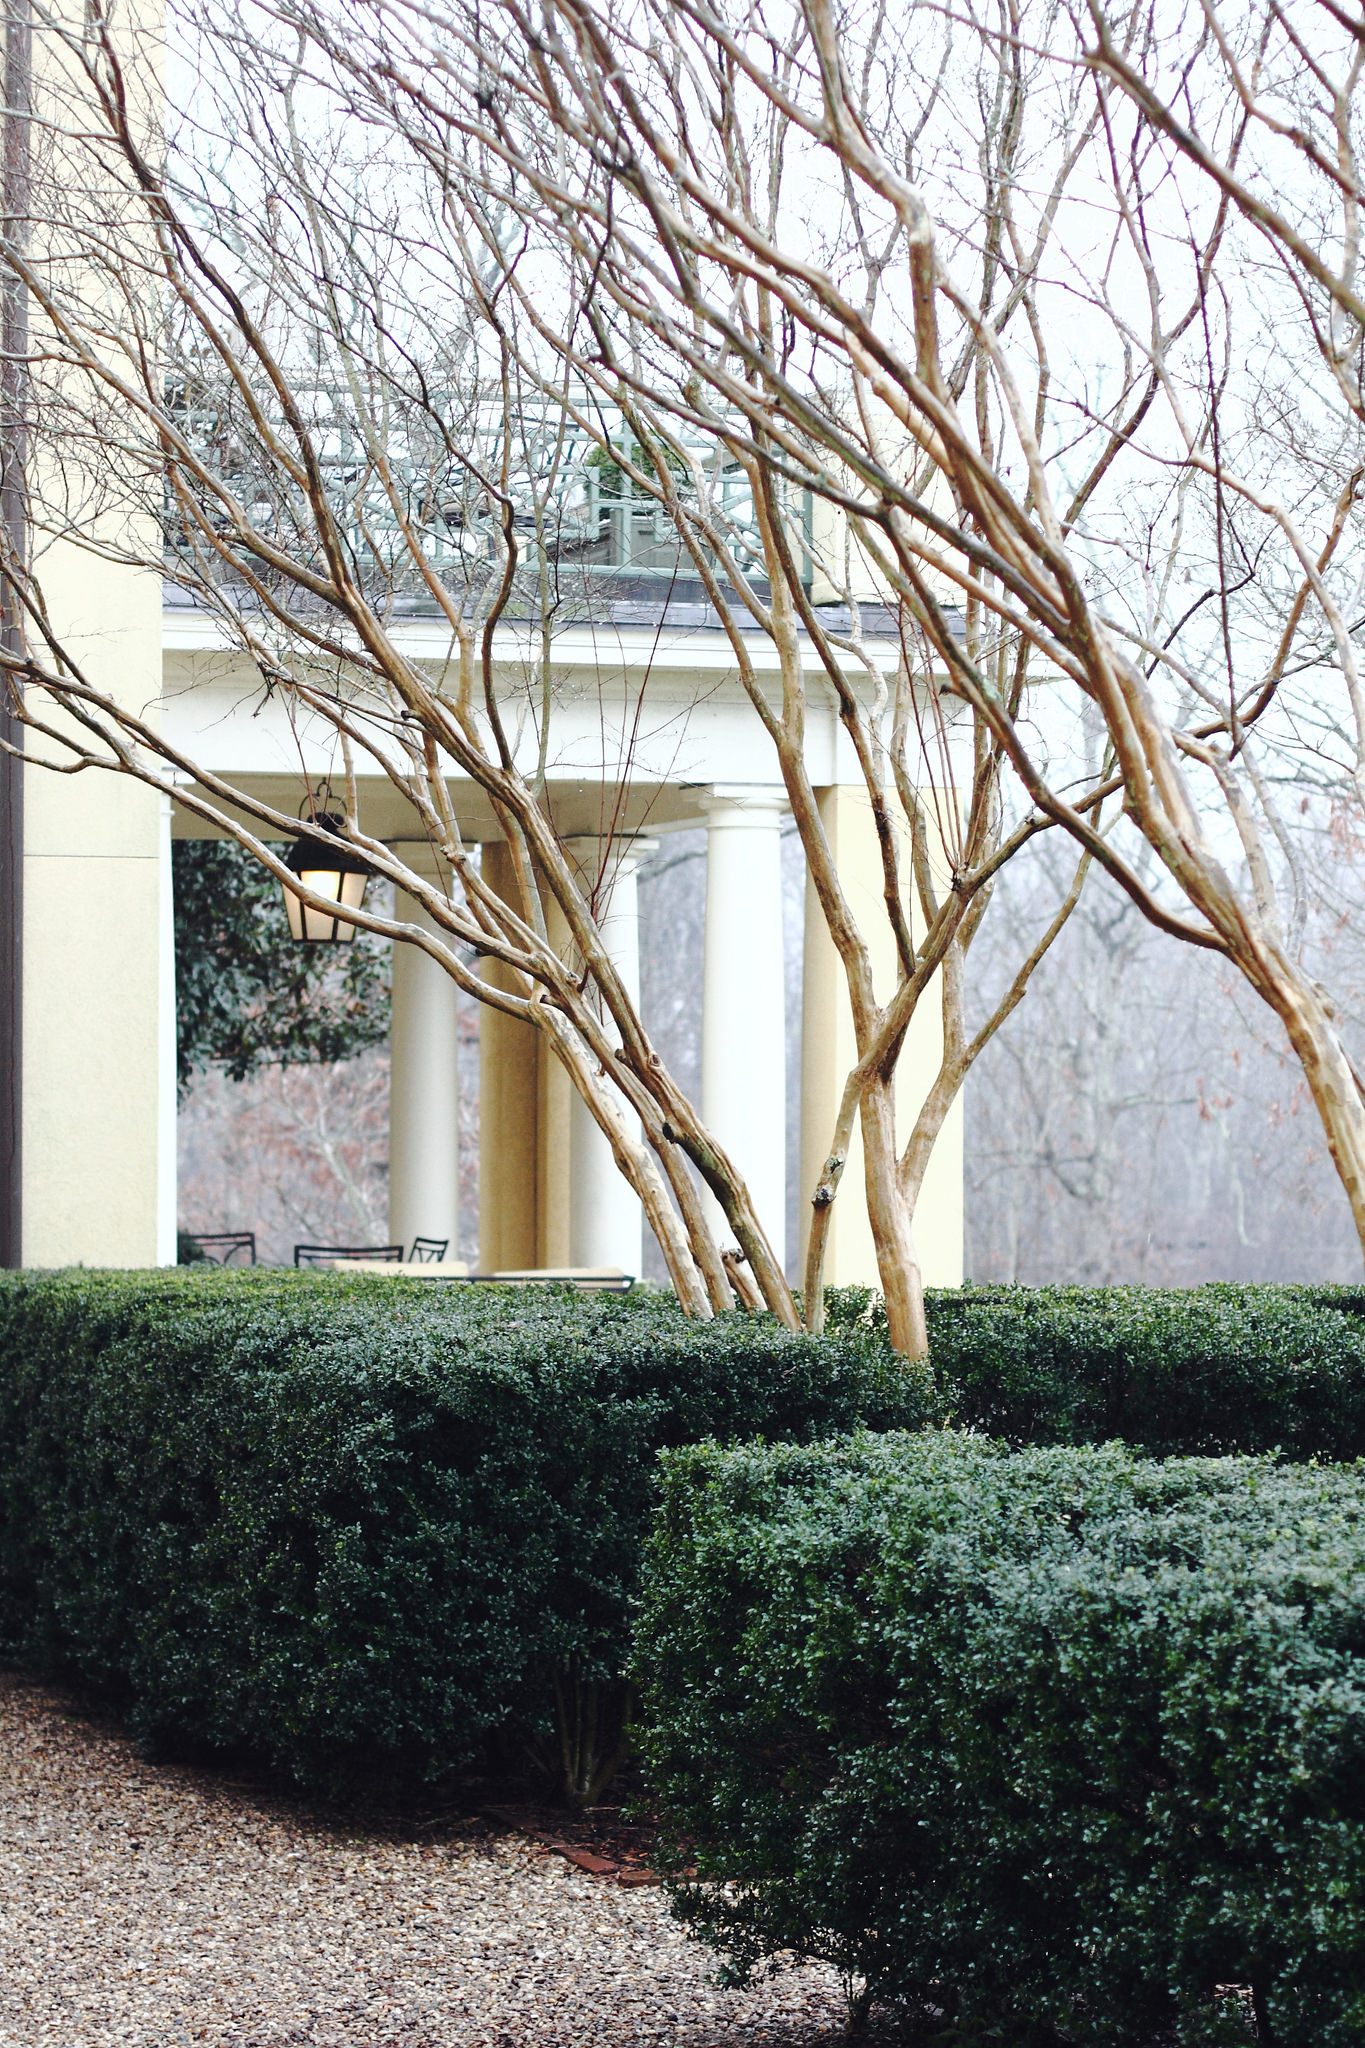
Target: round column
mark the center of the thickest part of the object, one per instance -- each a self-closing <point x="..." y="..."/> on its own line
<point x="424" y="1157"/>
<point x="606" y="1223"/>
<point x="744" y="1012"/>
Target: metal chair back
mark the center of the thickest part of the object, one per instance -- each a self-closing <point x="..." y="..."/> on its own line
<point x="428" y="1251"/>
<point x="223" y="1247"/>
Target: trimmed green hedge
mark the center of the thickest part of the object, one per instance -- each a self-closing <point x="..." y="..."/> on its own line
<point x="1176" y="1371"/>
<point x="352" y="1525"/>
<point x="1049" y="1740"/>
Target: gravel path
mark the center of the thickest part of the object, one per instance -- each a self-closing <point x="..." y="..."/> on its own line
<point x="159" y="1906"/>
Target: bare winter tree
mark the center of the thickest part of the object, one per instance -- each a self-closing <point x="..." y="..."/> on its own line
<point x="1051" y="321"/>
<point x="1058" y="313"/>
<point x="331" y="356"/>
<point x="239" y="396"/>
<point x="1152" y="1124"/>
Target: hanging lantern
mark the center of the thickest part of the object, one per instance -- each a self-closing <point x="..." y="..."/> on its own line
<point x="331" y="871"/>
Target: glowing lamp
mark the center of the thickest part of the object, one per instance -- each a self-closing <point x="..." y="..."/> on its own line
<point x="331" y="871"/>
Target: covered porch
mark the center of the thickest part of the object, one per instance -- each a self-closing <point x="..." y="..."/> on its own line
<point x="99" y="1184"/>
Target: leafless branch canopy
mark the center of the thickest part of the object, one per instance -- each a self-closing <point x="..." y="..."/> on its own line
<point x="1028" y="341"/>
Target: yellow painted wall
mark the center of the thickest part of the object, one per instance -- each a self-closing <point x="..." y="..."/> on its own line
<point x="99" y="1017"/>
<point x="98" y="997"/>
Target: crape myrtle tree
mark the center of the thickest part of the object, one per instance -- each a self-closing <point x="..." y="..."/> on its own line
<point x="984" y="312"/>
<point x="321" y="381"/>
<point x="1060" y="308"/>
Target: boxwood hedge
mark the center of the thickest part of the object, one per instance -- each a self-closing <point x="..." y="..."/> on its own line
<point x="1057" y="1742"/>
<point x="1176" y="1371"/>
<point x="351" y="1524"/>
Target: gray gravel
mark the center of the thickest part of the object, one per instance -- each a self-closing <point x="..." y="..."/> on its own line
<point x="155" y="1905"/>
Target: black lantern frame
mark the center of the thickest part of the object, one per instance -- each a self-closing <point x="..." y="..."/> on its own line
<point x="328" y="870"/>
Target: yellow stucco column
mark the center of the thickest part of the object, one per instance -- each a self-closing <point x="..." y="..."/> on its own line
<point x="524" y="1098"/>
<point x="549" y="1191"/>
<point x="827" y="1054"/>
<point x="508" y="1117"/>
<point x="99" y="971"/>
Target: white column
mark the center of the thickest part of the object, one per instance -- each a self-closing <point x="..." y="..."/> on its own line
<point x="424" y="1158"/>
<point x="167" y="1089"/>
<point x="606" y="1224"/>
<point x="744" y="1022"/>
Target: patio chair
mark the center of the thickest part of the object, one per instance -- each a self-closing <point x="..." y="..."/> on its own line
<point x="332" y="1254"/>
<point x="428" y="1251"/>
<point x="217" y="1247"/>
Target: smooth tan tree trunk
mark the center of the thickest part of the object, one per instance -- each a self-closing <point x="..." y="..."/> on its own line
<point x="892" y="1232"/>
<point x="1332" y="1084"/>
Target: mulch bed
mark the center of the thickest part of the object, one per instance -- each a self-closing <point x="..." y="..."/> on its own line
<point x="164" y="1905"/>
<point x="600" y="1839"/>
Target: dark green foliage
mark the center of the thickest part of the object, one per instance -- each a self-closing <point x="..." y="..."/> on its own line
<point x="1174" y="1371"/>
<point x="350" y="1524"/>
<point x="1200" y="1370"/>
<point x="246" y="994"/>
<point x="1057" y="1741"/>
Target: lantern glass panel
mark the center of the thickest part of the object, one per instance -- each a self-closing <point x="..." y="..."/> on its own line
<point x="320" y="926"/>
